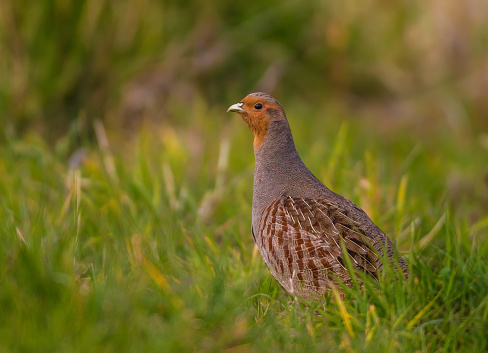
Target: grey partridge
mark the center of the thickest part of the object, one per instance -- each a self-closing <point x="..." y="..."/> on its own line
<point x="298" y="224"/>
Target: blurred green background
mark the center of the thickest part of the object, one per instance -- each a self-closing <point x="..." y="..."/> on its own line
<point x="409" y="63"/>
<point x="125" y="187"/>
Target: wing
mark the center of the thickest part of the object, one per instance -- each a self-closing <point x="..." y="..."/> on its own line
<point x="300" y="241"/>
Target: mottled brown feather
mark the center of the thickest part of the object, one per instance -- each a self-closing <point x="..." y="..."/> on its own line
<point x="300" y="241"/>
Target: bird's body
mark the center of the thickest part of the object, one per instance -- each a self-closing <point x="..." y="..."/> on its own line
<point x="299" y="224"/>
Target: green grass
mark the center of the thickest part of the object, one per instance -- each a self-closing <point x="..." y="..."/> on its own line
<point x="146" y="246"/>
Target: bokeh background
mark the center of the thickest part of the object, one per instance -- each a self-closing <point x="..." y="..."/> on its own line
<point x="125" y="187"/>
<point x="404" y="68"/>
<point x="415" y="64"/>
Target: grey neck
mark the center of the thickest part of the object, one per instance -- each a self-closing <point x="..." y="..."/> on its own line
<point x="279" y="170"/>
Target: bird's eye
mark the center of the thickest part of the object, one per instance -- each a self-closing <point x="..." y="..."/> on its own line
<point x="258" y="106"/>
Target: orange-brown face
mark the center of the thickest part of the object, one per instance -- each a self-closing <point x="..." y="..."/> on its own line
<point x="257" y="110"/>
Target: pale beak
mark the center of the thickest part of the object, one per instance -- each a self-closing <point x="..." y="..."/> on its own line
<point x="236" y="108"/>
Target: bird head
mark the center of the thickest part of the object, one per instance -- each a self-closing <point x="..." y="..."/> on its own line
<point x="258" y="110"/>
